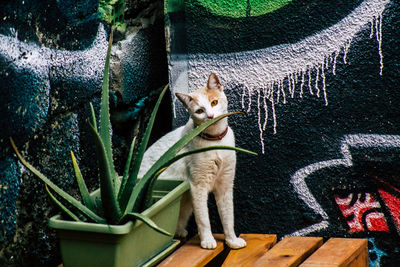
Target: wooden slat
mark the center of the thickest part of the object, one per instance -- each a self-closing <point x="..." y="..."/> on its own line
<point x="290" y="251"/>
<point x="257" y="246"/>
<point x="338" y="252"/>
<point x="191" y="254"/>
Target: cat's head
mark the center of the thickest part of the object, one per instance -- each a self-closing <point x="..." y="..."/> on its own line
<point x="207" y="102"/>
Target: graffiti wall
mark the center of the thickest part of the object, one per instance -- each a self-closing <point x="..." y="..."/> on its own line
<point x="52" y="56"/>
<point x="319" y="83"/>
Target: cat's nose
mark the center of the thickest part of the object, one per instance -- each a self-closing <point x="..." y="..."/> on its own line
<point x="210" y="116"/>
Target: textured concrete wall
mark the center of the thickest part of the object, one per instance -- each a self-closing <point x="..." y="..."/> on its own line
<point x="319" y="83"/>
<point x="52" y="56"/>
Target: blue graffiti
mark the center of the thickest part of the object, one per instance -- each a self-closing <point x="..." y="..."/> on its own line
<point x="375" y="254"/>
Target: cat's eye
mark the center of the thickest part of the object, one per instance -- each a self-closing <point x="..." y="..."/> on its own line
<point x="199" y="111"/>
<point x="214" y="103"/>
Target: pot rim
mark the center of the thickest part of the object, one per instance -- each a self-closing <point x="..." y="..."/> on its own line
<point x="56" y="222"/>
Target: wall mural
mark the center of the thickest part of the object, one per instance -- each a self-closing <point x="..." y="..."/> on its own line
<point x="286" y="70"/>
<point x="371" y="209"/>
<point x="52" y="56"/>
<point x="362" y="211"/>
<point x="317" y="80"/>
<point x="42" y="89"/>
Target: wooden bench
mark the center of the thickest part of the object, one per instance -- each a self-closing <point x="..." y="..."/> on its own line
<point x="191" y="254"/>
<point x="262" y="250"/>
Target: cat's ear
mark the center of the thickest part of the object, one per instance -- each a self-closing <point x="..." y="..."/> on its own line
<point x="184" y="98"/>
<point x="213" y="82"/>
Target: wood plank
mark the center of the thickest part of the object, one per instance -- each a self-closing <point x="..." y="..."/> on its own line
<point x="290" y="251"/>
<point x="362" y="260"/>
<point x="191" y="254"/>
<point x="338" y="252"/>
<point x="257" y="246"/>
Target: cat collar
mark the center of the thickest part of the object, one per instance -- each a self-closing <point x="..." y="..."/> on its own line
<point x="214" y="137"/>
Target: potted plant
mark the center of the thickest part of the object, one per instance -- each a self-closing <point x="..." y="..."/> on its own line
<point x="128" y="221"/>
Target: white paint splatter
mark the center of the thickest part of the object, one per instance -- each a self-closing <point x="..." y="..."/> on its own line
<point x="286" y="62"/>
<point x="346" y="50"/>
<point x="40" y="59"/>
<point x="334" y="63"/>
<point x="292" y="80"/>
<point x="273" y="109"/>
<point x="324" y="85"/>
<point x="282" y="89"/>
<point x="372" y="30"/>
<point x="302" y="84"/>
<point x="278" y="92"/>
<point x="309" y="82"/>
<point x="266" y="106"/>
<point x="329" y="59"/>
<point x="316" y="82"/>
<point x="378" y="26"/>
<point x="243" y="93"/>
<point x="259" y="121"/>
<point x="249" y="106"/>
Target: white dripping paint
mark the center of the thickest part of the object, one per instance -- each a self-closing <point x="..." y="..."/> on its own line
<point x="260" y="127"/>
<point x="346" y="51"/>
<point x="316" y="81"/>
<point x="283" y="65"/>
<point x="266" y="107"/>
<point x="249" y="106"/>
<point x="268" y="94"/>
<point x="334" y="64"/>
<point x="309" y="83"/>
<point x="302" y="85"/>
<point x="324" y="84"/>
<point x="378" y="27"/>
<point x="243" y="97"/>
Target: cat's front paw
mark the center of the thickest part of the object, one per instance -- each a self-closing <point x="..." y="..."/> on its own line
<point x="208" y="243"/>
<point x="181" y="233"/>
<point x="236" y="243"/>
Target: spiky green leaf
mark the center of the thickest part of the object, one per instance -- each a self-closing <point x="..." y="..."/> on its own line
<point x="147" y="221"/>
<point x="148" y="200"/>
<point x="131" y="181"/>
<point x="61" y="206"/>
<point x="94" y="123"/>
<point x="127" y="166"/>
<point x="85" y="211"/>
<point x="105" y="125"/>
<point x="111" y="208"/>
<point x="87" y="199"/>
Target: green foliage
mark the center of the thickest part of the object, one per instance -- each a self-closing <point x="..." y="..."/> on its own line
<point x="121" y="198"/>
<point x="112" y="12"/>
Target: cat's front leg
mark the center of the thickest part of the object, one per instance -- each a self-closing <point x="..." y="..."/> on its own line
<point x="185" y="211"/>
<point x="224" y="197"/>
<point x="200" y="209"/>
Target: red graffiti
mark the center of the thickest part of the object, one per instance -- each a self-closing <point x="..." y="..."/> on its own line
<point x="393" y="203"/>
<point x="362" y="212"/>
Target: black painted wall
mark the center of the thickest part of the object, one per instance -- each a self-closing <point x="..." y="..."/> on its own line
<point x="330" y="163"/>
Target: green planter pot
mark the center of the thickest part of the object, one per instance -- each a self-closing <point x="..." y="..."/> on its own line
<point x="131" y="244"/>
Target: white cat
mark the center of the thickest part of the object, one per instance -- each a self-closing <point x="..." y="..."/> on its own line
<point x="211" y="171"/>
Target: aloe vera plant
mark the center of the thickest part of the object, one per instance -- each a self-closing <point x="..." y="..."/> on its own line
<point x="112" y="12"/>
<point x="122" y="197"/>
